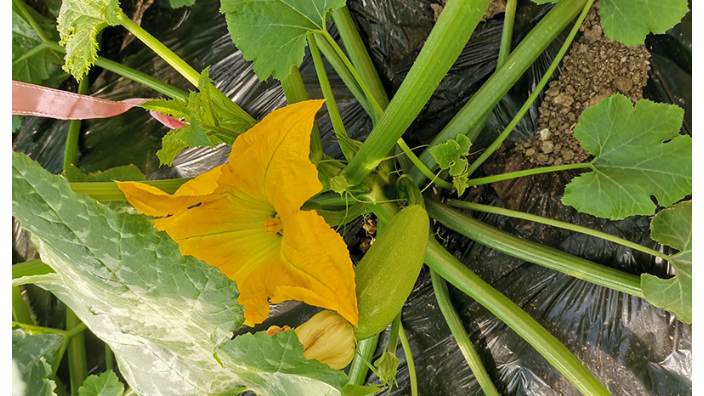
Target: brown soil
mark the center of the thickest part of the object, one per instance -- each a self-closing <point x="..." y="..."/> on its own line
<point x="595" y="68"/>
<point x="495" y="7"/>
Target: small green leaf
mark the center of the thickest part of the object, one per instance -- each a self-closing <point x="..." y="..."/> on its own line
<point x="630" y="21"/>
<point x="181" y="3"/>
<point x="178" y="139"/>
<point x="460" y="183"/>
<point x="275" y="366"/>
<point x="173" y="107"/>
<point x="451" y="154"/>
<point x="272" y="33"/>
<point x="32" y="61"/>
<point x="632" y="162"/>
<point x="79" y="22"/>
<point x="107" y="384"/>
<point x="17" y="122"/>
<point x="33" y="354"/>
<point x="359" y="390"/>
<point x="673" y="227"/>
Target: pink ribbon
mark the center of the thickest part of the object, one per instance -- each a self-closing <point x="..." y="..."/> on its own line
<point x="35" y="100"/>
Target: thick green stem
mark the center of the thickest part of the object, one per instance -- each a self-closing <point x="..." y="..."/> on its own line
<point x="345" y="74"/>
<point x="507" y="33"/>
<point x="555" y="223"/>
<point x="337" y="125"/>
<point x="109" y="191"/>
<point x="358" y="54"/>
<point x="77" y="360"/>
<point x="444" y="45"/>
<point x="74" y="131"/>
<point x="536" y="92"/>
<point x="109" y="358"/>
<point x="160" y="49"/>
<point x="21" y="7"/>
<point x="295" y="92"/>
<point x="503" y="79"/>
<point x="365" y="352"/>
<point x="463" y="342"/>
<point x="20" y="312"/>
<point x="453" y="271"/>
<point x="533" y="252"/>
<point x="30" y="268"/>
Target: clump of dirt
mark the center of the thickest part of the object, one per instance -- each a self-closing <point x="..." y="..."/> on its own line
<point x="495" y="7"/>
<point x="595" y="68"/>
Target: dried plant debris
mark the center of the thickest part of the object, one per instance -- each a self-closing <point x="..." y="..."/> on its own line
<point x="595" y="68"/>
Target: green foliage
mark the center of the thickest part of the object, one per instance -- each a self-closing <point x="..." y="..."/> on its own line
<point x="272" y="33"/>
<point x="181" y="3"/>
<point x="359" y="390"/>
<point x="632" y="162"/>
<point x="106" y="384"/>
<point x="32" y="61"/>
<point x="209" y="116"/>
<point x="17" y="122"/>
<point x="275" y="366"/>
<point x="79" y="23"/>
<point x="161" y="313"/>
<point x="451" y="156"/>
<point x="673" y="227"/>
<point x="630" y="21"/>
<point x="387" y="367"/>
<point x="33" y="354"/>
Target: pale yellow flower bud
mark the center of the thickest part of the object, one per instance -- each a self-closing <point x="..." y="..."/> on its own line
<point x="328" y="338"/>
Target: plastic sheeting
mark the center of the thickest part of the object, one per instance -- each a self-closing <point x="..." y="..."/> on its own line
<point x="632" y="347"/>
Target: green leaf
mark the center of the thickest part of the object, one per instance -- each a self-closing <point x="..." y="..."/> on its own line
<point x="161" y="313"/>
<point x="173" y="107"/>
<point x="275" y="366"/>
<point x="359" y="390"/>
<point x="451" y="155"/>
<point x="272" y="33"/>
<point x="178" y="139"/>
<point x="387" y="367"/>
<point x="673" y="227"/>
<point x="181" y="3"/>
<point x="33" y="354"/>
<point x="107" y="384"/>
<point x="17" y="122"/>
<point x="632" y="162"/>
<point x="32" y="61"/>
<point x="630" y="21"/>
<point x="79" y="22"/>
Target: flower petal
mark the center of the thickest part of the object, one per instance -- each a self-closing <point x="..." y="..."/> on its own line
<point x="153" y="202"/>
<point x="270" y="161"/>
<point x="319" y="265"/>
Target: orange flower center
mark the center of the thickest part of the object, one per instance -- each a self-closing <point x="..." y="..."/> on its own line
<point x="273" y="226"/>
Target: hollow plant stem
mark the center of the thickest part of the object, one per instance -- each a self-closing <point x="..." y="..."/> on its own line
<point x="109" y="358"/>
<point x="365" y="352"/>
<point x="453" y="271"/>
<point x="507" y="33"/>
<point x="444" y="45"/>
<point x="460" y="334"/>
<point x="409" y="360"/>
<point x="491" y="92"/>
<point x="109" y="191"/>
<point x="527" y="172"/>
<point x="534" y="95"/>
<point x="74" y="131"/>
<point x="534" y="252"/>
<point x="358" y="54"/>
<point x="77" y="360"/>
<point x="334" y="113"/>
<point x="555" y="223"/>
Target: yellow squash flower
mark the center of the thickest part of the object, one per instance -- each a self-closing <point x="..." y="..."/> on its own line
<point x="244" y="217"/>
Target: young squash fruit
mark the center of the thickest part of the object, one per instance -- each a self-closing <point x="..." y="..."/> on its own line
<point x="386" y="274"/>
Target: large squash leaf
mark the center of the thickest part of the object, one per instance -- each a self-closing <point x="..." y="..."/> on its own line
<point x="105" y="384"/>
<point x="630" y="21"/>
<point x="272" y="33"/>
<point x="673" y="227"/>
<point x="164" y="315"/>
<point x="161" y="313"/>
<point x="632" y="162"/>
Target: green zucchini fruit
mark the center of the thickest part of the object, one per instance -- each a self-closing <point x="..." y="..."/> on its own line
<point x="386" y="274"/>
